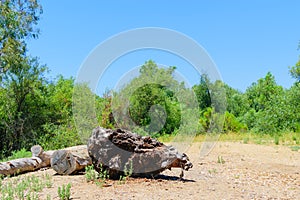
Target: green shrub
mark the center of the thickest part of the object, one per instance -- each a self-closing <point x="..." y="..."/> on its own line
<point x="64" y="192"/>
<point x="232" y="124"/>
<point x="59" y="136"/>
<point x="90" y="173"/>
<point x="23" y="153"/>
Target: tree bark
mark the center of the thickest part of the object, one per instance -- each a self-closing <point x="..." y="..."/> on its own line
<point x="66" y="161"/>
<point x="120" y="152"/>
<point x="70" y="160"/>
<point x="38" y="160"/>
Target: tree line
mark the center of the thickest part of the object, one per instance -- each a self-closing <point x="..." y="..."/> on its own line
<point x="34" y="109"/>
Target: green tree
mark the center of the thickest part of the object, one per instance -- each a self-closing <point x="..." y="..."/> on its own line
<point x="202" y="92"/>
<point x="153" y="101"/>
<point x="22" y="77"/>
<point x="266" y="101"/>
<point x="237" y="103"/>
<point x="292" y="107"/>
<point x="295" y="71"/>
<point x="18" y="22"/>
<point x="261" y="93"/>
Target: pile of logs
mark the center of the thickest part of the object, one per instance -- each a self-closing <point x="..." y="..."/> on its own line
<point x="115" y="151"/>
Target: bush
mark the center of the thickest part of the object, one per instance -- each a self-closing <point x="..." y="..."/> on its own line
<point x="232" y="124"/>
<point x="59" y="136"/>
<point x="23" y="153"/>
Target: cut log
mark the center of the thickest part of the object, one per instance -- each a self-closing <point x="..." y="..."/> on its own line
<point x="77" y="156"/>
<point x="39" y="159"/>
<point x="120" y="151"/>
<point x="45" y="156"/>
<point x="70" y="160"/>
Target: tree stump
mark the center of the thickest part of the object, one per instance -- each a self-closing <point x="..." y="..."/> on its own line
<point x="70" y="160"/>
<point x="119" y="151"/>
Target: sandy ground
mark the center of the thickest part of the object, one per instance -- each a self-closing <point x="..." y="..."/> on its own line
<point x="249" y="172"/>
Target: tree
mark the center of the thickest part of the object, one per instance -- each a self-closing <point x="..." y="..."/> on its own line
<point x="261" y="93"/>
<point x="202" y="92"/>
<point x="17" y="23"/>
<point x="237" y="103"/>
<point x="266" y="101"/>
<point x="295" y="71"/>
<point x="21" y="75"/>
<point x="150" y="101"/>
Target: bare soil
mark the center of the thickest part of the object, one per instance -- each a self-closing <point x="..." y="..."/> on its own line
<point x="249" y="171"/>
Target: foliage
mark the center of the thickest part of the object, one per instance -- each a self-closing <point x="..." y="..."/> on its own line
<point x="149" y="101"/>
<point x="99" y="178"/>
<point x="91" y="174"/>
<point x="202" y="92"/>
<point x="23" y="188"/>
<point x="220" y="160"/>
<point x="59" y="136"/>
<point x="36" y="110"/>
<point x="64" y="192"/>
<point x="22" y="80"/>
<point x="295" y="71"/>
<point x="23" y="153"/>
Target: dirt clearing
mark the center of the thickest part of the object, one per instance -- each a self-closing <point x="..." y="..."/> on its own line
<point x="230" y="171"/>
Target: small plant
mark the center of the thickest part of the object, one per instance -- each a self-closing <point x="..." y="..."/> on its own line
<point x="276" y="139"/>
<point x="246" y="140"/>
<point x="221" y="160"/>
<point x="25" y="188"/>
<point x="48" y="180"/>
<point x="103" y="174"/>
<point x="295" y="148"/>
<point x="127" y="172"/>
<point x="23" y="153"/>
<point x="36" y="183"/>
<point x="32" y="196"/>
<point x="90" y="173"/>
<point x="212" y="171"/>
<point x="64" y="192"/>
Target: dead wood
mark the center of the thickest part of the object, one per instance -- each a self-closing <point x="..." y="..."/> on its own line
<point x="119" y="151"/>
<point x="70" y="160"/>
<point x="39" y="159"/>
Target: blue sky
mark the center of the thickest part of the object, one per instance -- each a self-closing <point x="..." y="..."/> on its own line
<point x="246" y="39"/>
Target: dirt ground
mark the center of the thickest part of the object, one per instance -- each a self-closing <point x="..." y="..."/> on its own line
<point x="249" y="171"/>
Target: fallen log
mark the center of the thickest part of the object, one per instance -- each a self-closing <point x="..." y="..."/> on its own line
<point x="38" y="160"/>
<point x="120" y="151"/>
<point x="70" y="160"/>
<point x="66" y="161"/>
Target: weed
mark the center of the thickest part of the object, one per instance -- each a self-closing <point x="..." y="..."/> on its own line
<point x="48" y="180"/>
<point x="23" y="153"/>
<point x="64" y="192"/>
<point x="90" y="173"/>
<point x="295" y="148"/>
<point x="212" y="171"/>
<point x="48" y="197"/>
<point x="32" y="196"/>
<point x="127" y="172"/>
<point x="246" y="140"/>
<point x="25" y="188"/>
<point x="276" y="139"/>
<point x="103" y="174"/>
<point x="221" y="160"/>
